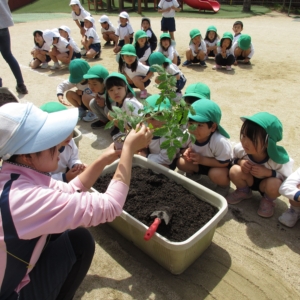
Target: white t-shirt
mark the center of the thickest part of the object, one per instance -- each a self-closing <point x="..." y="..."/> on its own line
<point x="211" y="44"/>
<point x="217" y="146"/>
<point x="281" y="171"/>
<point x="163" y="4"/>
<point x="228" y="51"/>
<point x="149" y="33"/>
<point x="170" y="53"/>
<point x="173" y="69"/>
<point x="146" y="55"/>
<point x="91" y="33"/>
<point x="45" y="47"/>
<point x="110" y="28"/>
<point x="81" y="16"/>
<point x="122" y="31"/>
<point x="135" y="103"/>
<point x="67" y="85"/>
<point x="141" y="70"/>
<point x="251" y="47"/>
<point x="74" y="45"/>
<point x="201" y="47"/>
<point x="62" y="45"/>
<point x="236" y="37"/>
<point x="289" y="187"/>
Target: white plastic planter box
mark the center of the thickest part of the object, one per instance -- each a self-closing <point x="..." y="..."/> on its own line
<point x="174" y="256"/>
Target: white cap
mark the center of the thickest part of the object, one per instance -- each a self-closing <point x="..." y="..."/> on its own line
<point x="55" y="33"/>
<point x="90" y="18"/>
<point x="124" y="15"/>
<point x="72" y="2"/>
<point x="103" y="19"/>
<point x="65" y="28"/>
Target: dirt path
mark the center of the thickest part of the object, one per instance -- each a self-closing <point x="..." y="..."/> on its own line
<point x="250" y="257"/>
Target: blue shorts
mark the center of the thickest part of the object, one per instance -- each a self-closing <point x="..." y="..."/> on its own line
<point x="180" y="84"/>
<point x="96" y="47"/>
<point x="76" y="55"/>
<point x="122" y="42"/>
<point x="211" y="54"/>
<point x="145" y="83"/>
<point x="256" y="183"/>
<point x="168" y="24"/>
<point x="82" y="24"/>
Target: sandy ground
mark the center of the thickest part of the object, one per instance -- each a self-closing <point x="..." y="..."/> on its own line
<point x="250" y="257"/>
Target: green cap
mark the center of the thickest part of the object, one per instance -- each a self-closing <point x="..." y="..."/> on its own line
<point x="165" y="35"/>
<point x="51" y="107"/>
<point x="77" y="67"/>
<point x="211" y="28"/>
<point x="273" y="127"/>
<point x="244" y="41"/>
<point x="208" y="111"/>
<point x="157" y="58"/>
<point x="151" y="103"/>
<point x="140" y="34"/>
<point x="96" y="71"/>
<point x="128" y="49"/>
<point x="194" y="33"/>
<point x="120" y="76"/>
<point x="199" y="89"/>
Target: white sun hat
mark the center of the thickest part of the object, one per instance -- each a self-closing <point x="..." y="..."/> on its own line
<point x="27" y="129"/>
<point x="65" y="28"/>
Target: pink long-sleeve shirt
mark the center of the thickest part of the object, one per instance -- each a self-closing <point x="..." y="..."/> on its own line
<point x="40" y="205"/>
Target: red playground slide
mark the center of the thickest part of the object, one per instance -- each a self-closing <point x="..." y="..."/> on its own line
<point x="203" y="5"/>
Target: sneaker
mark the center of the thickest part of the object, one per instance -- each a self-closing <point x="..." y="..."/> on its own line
<point x="90" y="117"/>
<point x="203" y="63"/>
<point x="55" y="66"/>
<point x="216" y="67"/>
<point x="237" y="196"/>
<point x="143" y="94"/>
<point x="44" y="65"/>
<point x="228" y="68"/>
<point x="22" y="89"/>
<point x="83" y="52"/>
<point x="266" y="208"/>
<point x="106" y="44"/>
<point x="290" y="217"/>
<point x="98" y="124"/>
<point x="81" y="112"/>
<point x="187" y="63"/>
<point x="223" y="191"/>
<point x="115" y="131"/>
<point x="194" y="176"/>
<point x="97" y="55"/>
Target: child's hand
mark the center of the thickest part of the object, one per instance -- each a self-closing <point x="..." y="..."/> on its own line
<point x="246" y="60"/>
<point x="260" y="171"/>
<point x="75" y="171"/>
<point x="196" y="158"/>
<point x="143" y="152"/>
<point x="186" y="155"/>
<point x="100" y="101"/>
<point x="246" y="166"/>
<point x="62" y="101"/>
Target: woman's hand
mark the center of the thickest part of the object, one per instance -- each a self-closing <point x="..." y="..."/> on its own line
<point x="110" y="154"/>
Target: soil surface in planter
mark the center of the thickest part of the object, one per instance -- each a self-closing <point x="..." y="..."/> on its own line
<point x="150" y="192"/>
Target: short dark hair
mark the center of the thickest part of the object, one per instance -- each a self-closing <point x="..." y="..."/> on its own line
<point x="209" y="123"/>
<point x="101" y="80"/>
<point x="238" y="23"/>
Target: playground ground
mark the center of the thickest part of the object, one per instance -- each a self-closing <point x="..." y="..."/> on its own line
<point x="250" y="257"/>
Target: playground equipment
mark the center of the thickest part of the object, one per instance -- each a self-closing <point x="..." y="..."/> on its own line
<point x="203" y="4"/>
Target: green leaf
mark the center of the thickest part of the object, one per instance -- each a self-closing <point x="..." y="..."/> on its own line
<point x="192" y="127"/>
<point x="161" y="131"/>
<point x="192" y="111"/>
<point x="171" y="152"/>
<point x="185" y="138"/>
<point x="176" y="143"/>
<point x="109" y="125"/>
<point x="193" y="139"/>
<point x="165" y="144"/>
<point x="130" y="107"/>
<point x="159" y="118"/>
<point x="113" y="114"/>
<point x="162" y="85"/>
<point x="121" y="125"/>
<point x="178" y="132"/>
<point x="162" y="77"/>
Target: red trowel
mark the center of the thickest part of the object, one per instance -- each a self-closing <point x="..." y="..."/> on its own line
<point x="160" y="215"/>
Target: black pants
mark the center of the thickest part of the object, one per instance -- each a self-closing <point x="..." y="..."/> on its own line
<point x="61" y="267"/>
<point x="228" y="61"/>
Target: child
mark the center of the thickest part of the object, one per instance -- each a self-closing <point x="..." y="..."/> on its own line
<point x="124" y="32"/>
<point x="243" y="49"/>
<point x="83" y="95"/>
<point x="40" y="51"/>
<point x="225" y="57"/>
<point x="137" y="74"/>
<point x="158" y="58"/>
<point x="259" y="164"/>
<point x="168" y="9"/>
<point x="196" y="91"/>
<point x="167" y="49"/>
<point x="68" y="151"/>
<point x="152" y="39"/>
<point x="197" y="49"/>
<point x="96" y="76"/>
<point x="211" y="40"/>
<point x="91" y="40"/>
<point x="108" y="31"/>
<point x="237" y="29"/>
<point x="65" y="32"/>
<point x="78" y="15"/>
<point x="290" y="188"/>
<point x="121" y="93"/>
<point x="142" y="46"/>
<point x="211" y="153"/>
<point x="154" y="152"/>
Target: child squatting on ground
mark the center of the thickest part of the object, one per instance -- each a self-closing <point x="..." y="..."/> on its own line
<point x="96" y="76"/>
<point x="196" y="91"/>
<point x="211" y="153"/>
<point x="108" y="31"/>
<point x="69" y="164"/>
<point x="158" y="58"/>
<point x="237" y="29"/>
<point x="259" y="164"/>
<point x="138" y="75"/>
<point x="211" y="40"/>
<point x="243" y="49"/>
<point x="167" y="48"/>
<point x="65" y="32"/>
<point x="46" y="251"/>
<point x="142" y="47"/>
<point x="152" y="39"/>
<point x="197" y="49"/>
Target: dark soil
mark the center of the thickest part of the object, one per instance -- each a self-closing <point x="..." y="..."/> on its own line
<point x="150" y="192"/>
<point x="6" y="98"/>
